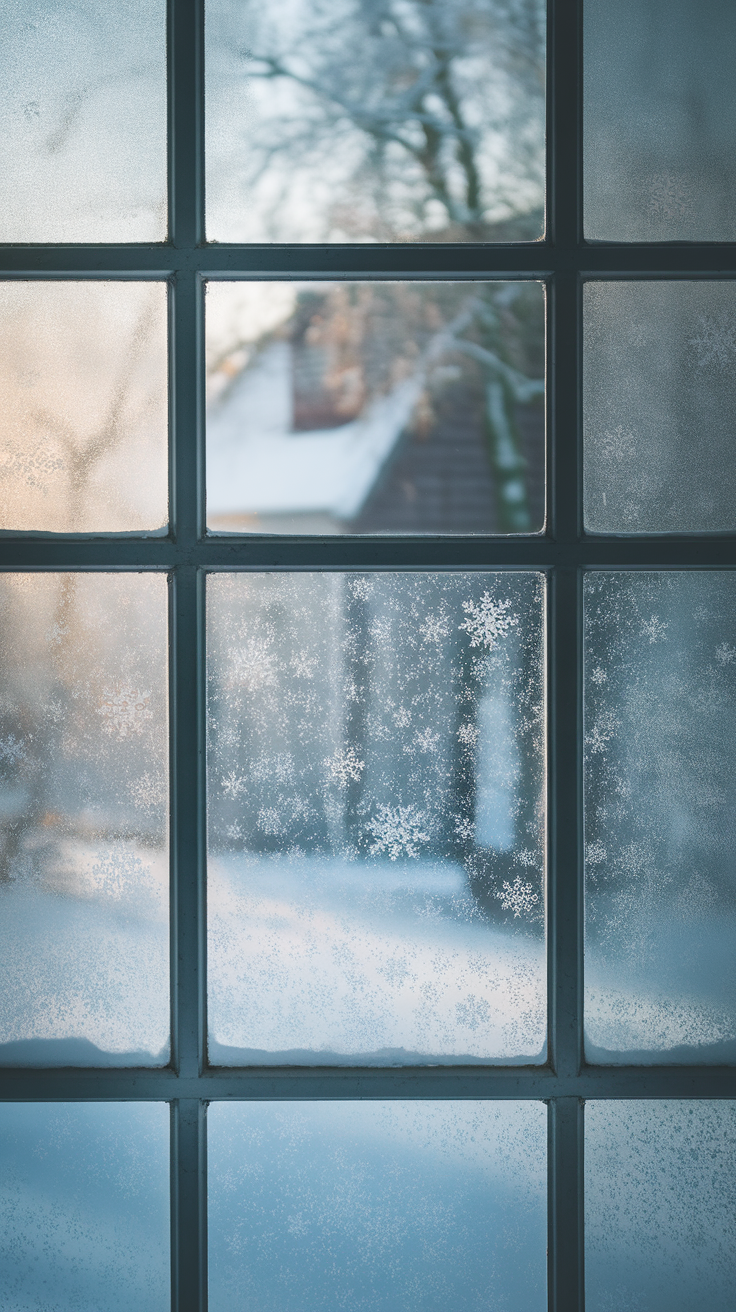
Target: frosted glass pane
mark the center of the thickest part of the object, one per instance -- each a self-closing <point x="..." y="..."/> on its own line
<point x="83" y="406"/>
<point x="659" y="403"/>
<point x="377" y="1206"/>
<point x="660" y="1206"/>
<point x="375" y="407"/>
<point x="376" y="823"/>
<point x="660" y="120"/>
<point x="84" y="1207"/>
<point x="398" y="120"/>
<point x="84" y="936"/>
<point x="660" y="817"/>
<point x="83" y="106"/>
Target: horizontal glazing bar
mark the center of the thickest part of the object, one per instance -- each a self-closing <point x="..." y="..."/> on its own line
<point x="379" y="553"/>
<point x="530" y="260"/>
<point x="408" y="1082"/>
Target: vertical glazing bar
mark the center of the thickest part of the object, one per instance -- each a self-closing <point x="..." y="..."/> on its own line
<point x="565" y="520"/>
<point x="186" y="231"/>
<point x="566" y="1273"/>
<point x="188" y="1201"/>
<point x="186" y="122"/>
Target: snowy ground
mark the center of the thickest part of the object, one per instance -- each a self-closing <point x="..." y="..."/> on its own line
<point x="317" y="959"/>
<point x="84" y="960"/>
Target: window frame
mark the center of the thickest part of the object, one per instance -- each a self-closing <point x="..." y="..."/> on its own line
<point x="563" y="261"/>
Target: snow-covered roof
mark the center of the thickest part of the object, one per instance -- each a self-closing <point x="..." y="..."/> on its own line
<point x="258" y="465"/>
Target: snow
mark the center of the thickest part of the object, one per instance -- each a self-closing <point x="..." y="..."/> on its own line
<point x="257" y="465"/>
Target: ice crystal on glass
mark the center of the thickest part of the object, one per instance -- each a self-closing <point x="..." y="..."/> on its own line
<point x="487" y="621"/>
<point x="660" y="721"/>
<point x="376" y="818"/>
<point x="397" y="831"/>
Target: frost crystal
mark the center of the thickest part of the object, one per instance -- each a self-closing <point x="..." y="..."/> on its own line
<point x="518" y="897"/>
<point x="716" y="343"/>
<point x="435" y="628"/>
<point x="361" y="588"/>
<point x="118" y="872"/>
<point x="37" y="467"/>
<point x="397" y="830"/>
<point x="468" y="734"/>
<point x="11" y="749"/>
<point x="668" y="197"/>
<point x="725" y="655"/>
<point x="253" y="665"/>
<point x="124" y="709"/>
<point x="525" y="858"/>
<point x="655" y="629"/>
<point x="602" y="732"/>
<point x="346" y="766"/>
<point x="148" y="793"/>
<point x="595" y="853"/>
<point x="598" y="675"/>
<point x="233" y="784"/>
<point x="487" y="621"/>
<point x="426" y="740"/>
<point x="464" y="828"/>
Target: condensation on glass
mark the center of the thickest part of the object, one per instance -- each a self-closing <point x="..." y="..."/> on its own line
<point x="379" y="1205"/>
<point x="660" y="1205"/>
<point x="660" y="817"/>
<point x="375" y="407"/>
<point x="399" y="121"/>
<point x="376" y="818"/>
<point x="83" y="407"/>
<point x="84" y="973"/>
<point x="660" y="120"/>
<point x="659" y="404"/>
<point x="83" y="105"/>
<point x="84" y="1207"/>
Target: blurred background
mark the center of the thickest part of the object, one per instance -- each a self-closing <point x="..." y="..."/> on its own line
<point x="375" y="407"/>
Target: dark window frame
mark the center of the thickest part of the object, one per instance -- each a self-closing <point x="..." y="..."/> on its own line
<point x="562" y="261"/>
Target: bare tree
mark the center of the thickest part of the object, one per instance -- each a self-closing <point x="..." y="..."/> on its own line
<point x="427" y="114"/>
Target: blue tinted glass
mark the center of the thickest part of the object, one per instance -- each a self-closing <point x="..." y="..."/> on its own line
<point x="380" y="1206"/>
<point x="660" y="1206"/>
<point x="84" y="1207"/>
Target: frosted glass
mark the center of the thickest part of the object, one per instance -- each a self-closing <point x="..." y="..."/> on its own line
<point x="660" y="1206"/>
<point x="660" y="120"/>
<point x="83" y="106"/>
<point x="377" y="1206"/>
<point x="83" y="406"/>
<point x="375" y="407"/>
<point x="401" y="120"/>
<point x="84" y="1207"/>
<point x="659" y="403"/>
<point x="660" y="817"/>
<point x="376" y="821"/>
<point x="84" y="936"/>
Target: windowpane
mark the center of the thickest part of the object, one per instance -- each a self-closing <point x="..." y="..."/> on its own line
<point x="660" y="817"/>
<point x="660" y="396"/>
<point x="83" y="406"/>
<point x="84" y="976"/>
<point x="398" y="120"/>
<point x="83" y="105"/>
<point x="377" y="1205"/>
<point x="660" y="1206"/>
<point x="84" y="1207"/>
<point x="660" y="118"/>
<point x="376" y="818"/>
<point x="375" y="407"/>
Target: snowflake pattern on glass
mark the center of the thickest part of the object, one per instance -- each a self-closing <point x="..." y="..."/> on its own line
<point x="660" y="794"/>
<point x="84" y="878"/>
<point x="124" y="710"/>
<point x="377" y="780"/>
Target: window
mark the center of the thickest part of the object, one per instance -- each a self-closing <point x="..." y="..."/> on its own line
<point x="574" y="553"/>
